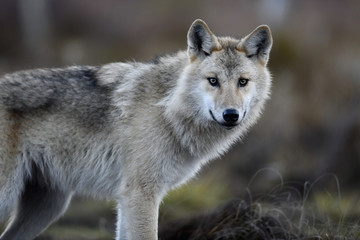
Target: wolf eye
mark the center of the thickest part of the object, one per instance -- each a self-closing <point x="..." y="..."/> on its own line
<point x="213" y="81"/>
<point x="243" y="82"/>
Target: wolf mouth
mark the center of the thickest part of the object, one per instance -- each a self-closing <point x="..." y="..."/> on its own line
<point x="224" y="125"/>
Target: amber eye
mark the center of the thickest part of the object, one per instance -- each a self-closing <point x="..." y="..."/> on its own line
<point x="243" y="82"/>
<point x="213" y="81"/>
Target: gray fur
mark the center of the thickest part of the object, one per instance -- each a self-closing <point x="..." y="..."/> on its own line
<point x="73" y="91"/>
<point x="123" y="131"/>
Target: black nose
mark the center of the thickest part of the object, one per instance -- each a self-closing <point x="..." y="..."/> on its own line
<point x="231" y="115"/>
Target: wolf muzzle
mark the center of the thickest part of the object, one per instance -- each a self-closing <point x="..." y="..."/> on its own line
<point x="230" y="118"/>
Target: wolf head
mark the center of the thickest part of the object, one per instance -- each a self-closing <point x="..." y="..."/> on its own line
<point x="226" y="80"/>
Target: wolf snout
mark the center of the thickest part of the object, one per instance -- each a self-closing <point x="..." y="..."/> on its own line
<point x="231" y="116"/>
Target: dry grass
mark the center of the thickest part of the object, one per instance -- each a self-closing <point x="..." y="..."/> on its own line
<point x="288" y="211"/>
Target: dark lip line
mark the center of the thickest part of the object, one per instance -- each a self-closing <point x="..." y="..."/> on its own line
<point x="227" y="127"/>
<point x="243" y="115"/>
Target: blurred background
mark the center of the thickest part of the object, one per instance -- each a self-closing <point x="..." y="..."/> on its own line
<point x="310" y="130"/>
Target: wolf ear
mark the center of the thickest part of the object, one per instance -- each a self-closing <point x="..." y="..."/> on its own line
<point x="258" y="44"/>
<point x="201" y="41"/>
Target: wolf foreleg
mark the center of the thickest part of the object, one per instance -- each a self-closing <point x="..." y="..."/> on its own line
<point x="138" y="218"/>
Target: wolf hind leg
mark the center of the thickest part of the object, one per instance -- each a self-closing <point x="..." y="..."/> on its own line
<point x="12" y="172"/>
<point x="11" y="186"/>
<point x="9" y="195"/>
<point x="37" y="208"/>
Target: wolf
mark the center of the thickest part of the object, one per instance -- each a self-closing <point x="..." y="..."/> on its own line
<point x="128" y="132"/>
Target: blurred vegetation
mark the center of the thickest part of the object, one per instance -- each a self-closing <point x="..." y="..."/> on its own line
<point x="199" y="211"/>
<point x="310" y="127"/>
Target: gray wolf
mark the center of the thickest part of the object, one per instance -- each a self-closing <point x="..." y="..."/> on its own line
<point x="125" y="131"/>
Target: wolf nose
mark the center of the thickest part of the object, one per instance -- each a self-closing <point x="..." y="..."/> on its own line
<point x="231" y="115"/>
